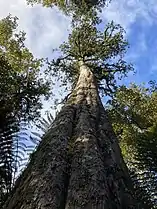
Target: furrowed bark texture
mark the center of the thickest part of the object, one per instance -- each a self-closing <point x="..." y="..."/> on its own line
<point x="78" y="164"/>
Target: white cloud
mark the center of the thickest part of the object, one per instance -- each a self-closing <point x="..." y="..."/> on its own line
<point x="127" y="12"/>
<point x="45" y="28"/>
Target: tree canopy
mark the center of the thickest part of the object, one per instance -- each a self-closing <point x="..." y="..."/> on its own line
<point x="102" y="50"/>
<point x="70" y="6"/>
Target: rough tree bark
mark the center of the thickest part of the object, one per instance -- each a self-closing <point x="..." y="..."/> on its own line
<point x="78" y="164"/>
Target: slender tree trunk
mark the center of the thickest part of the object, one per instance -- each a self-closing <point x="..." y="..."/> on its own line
<point x="78" y="163"/>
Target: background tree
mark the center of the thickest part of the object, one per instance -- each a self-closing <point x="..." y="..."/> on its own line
<point x="134" y="115"/>
<point x="21" y="88"/>
<point x="79" y="160"/>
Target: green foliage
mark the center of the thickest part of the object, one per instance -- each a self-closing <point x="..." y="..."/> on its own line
<point x="102" y="51"/>
<point x="45" y="124"/>
<point x="142" y="195"/>
<point x="21" y="83"/>
<point x="68" y="6"/>
<point x="134" y="116"/>
<point x="21" y="89"/>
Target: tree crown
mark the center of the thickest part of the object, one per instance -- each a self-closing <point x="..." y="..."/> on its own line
<point x="103" y="51"/>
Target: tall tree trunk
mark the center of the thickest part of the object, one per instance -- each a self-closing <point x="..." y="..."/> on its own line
<point x="78" y="163"/>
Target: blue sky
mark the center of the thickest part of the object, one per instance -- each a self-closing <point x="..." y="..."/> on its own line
<point x="143" y="50"/>
<point x="139" y="18"/>
<point x="48" y="28"/>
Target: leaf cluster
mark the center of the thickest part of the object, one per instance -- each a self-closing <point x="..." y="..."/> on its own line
<point x="21" y="89"/>
<point x="71" y="6"/>
<point x="21" y="83"/>
<point x="102" y="50"/>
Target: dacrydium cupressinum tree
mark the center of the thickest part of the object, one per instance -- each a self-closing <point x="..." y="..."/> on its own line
<point x="78" y="163"/>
